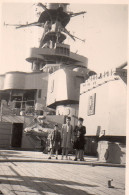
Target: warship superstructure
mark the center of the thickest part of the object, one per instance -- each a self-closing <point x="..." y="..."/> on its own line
<point x="26" y="89"/>
<point x="25" y="95"/>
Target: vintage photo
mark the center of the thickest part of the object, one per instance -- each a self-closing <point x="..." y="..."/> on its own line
<point x="63" y="98"/>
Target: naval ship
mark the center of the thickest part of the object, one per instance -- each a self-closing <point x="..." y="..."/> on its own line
<point x="60" y="85"/>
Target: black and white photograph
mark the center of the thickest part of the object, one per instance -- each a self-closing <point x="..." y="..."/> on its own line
<point x="63" y="97"/>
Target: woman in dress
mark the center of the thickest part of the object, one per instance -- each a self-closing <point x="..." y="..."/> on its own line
<point x="79" y="139"/>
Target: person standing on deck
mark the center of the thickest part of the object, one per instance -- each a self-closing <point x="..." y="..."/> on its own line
<point x="79" y="139"/>
<point x="66" y="137"/>
<point x="55" y="140"/>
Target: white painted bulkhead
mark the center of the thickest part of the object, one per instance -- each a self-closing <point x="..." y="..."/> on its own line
<point x="110" y="108"/>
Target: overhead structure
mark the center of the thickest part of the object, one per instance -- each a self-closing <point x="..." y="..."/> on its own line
<point x="52" y="49"/>
<point x="54" y="13"/>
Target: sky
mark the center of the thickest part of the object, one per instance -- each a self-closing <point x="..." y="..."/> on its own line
<point x="104" y="28"/>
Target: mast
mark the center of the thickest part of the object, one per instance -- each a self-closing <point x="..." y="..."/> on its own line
<point x="52" y="49"/>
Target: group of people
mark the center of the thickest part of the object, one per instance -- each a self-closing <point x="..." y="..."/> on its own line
<point x="68" y="138"/>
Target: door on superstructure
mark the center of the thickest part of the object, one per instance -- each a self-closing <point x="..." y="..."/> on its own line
<point x="17" y="130"/>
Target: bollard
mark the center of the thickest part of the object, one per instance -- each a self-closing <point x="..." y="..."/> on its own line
<point x="109" y="183"/>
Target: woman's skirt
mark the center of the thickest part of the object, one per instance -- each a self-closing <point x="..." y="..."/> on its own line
<point x="79" y="144"/>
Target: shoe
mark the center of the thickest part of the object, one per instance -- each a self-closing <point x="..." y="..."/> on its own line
<point x="82" y="159"/>
<point x="56" y="158"/>
<point x="75" y="159"/>
<point x="49" y="158"/>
